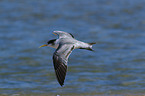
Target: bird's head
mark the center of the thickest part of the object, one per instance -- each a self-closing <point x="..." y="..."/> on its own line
<point x="50" y="43"/>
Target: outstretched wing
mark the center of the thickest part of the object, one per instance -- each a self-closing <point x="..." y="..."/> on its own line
<point x="60" y="59"/>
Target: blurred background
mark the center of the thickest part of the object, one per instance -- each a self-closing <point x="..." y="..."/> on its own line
<point x="116" y="67"/>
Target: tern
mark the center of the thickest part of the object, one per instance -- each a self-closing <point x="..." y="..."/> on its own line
<point x="64" y="45"/>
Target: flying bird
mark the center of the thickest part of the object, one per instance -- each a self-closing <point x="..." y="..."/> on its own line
<point x="64" y="45"/>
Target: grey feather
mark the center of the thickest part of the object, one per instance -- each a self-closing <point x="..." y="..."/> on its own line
<point x="60" y="59"/>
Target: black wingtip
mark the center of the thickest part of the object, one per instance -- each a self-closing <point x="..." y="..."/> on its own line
<point x="60" y="82"/>
<point x="62" y="85"/>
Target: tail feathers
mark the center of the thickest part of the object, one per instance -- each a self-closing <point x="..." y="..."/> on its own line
<point x="91" y="44"/>
<point x="90" y="49"/>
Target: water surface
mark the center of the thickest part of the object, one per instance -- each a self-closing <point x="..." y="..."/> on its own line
<point x="116" y="67"/>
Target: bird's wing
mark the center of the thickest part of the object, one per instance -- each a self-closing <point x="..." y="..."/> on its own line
<point x="60" y="58"/>
<point x="63" y="34"/>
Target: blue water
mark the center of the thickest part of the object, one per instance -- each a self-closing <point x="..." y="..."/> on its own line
<point x="116" y="67"/>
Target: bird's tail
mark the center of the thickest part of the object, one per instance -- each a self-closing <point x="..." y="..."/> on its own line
<point x="91" y="44"/>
